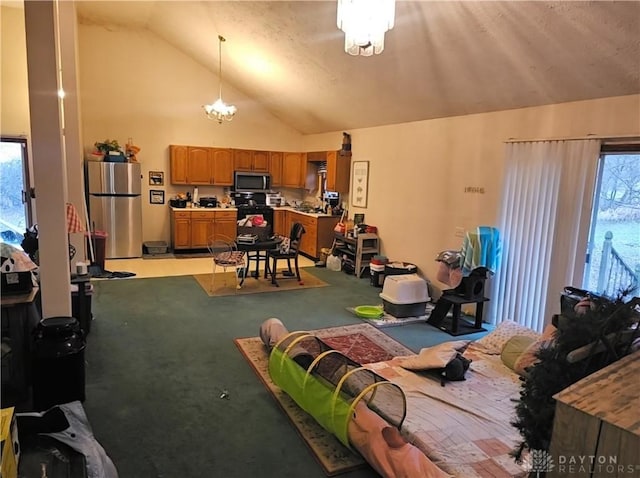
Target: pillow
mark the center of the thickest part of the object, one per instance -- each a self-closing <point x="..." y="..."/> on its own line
<point x="437" y="356"/>
<point x="514" y="347"/>
<point x="493" y="342"/>
<point x="528" y="357"/>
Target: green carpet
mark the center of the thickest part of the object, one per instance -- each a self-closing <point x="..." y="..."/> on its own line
<point x="161" y="353"/>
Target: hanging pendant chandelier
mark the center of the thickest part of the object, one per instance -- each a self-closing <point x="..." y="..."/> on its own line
<point x="219" y="110"/>
<point x="364" y="23"/>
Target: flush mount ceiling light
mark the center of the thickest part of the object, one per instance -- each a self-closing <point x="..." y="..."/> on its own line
<point x="364" y="23"/>
<point x="219" y="110"/>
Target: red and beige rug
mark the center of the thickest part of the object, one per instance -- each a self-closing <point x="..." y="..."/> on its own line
<point x="362" y="343"/>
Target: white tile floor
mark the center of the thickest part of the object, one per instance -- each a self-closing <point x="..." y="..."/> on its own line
<point x="144" y="268"/>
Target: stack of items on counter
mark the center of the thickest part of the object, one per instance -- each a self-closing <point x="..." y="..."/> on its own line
<point x="252" y="229"/>
<point x="247" y="239"/>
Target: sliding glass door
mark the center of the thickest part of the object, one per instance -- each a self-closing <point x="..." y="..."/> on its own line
<point x="15" y="204"/>
<point x="613" y="256"/>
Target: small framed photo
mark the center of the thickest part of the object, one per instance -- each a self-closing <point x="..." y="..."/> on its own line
<point x="156" y="178"/>
<point x="156" y="196"/>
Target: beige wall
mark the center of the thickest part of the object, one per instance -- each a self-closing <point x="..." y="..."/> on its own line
<point x="134" y="84"/>
<point x="14" y="90"/>
<point x="418" y="171"/>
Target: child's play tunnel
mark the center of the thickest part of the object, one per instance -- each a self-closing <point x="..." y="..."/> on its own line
<point x="328" y="385"/>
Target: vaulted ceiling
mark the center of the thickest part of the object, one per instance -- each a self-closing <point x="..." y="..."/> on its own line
<point x="441" y="59"/>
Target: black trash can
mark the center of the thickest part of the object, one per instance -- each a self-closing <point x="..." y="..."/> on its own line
<point x="377" y="274"/>
<point x="99" y="245"/>
<point x="58" y="368"/>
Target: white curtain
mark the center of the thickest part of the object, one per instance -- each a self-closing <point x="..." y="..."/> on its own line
<point x="544" y="222"/>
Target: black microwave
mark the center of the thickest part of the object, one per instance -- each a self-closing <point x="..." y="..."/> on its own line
<point x="244" y="181"/>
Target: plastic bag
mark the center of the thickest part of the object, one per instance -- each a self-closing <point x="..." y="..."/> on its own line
<point x="334" y="263"/>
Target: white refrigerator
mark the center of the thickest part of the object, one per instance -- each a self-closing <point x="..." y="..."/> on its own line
<point x="115" y="206"/>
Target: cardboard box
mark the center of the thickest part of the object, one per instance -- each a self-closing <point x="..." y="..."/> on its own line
<point x="9" y="445"/>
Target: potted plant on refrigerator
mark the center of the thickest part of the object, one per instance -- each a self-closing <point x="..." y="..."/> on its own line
<point x="110" y="150"/>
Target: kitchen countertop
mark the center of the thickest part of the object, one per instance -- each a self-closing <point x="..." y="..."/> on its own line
<point x="203" y="208"/>
<point x="233" y="208"/>
<point x="310" y="214"/>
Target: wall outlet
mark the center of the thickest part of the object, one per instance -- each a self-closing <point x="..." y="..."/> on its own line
<point x="459" y="232"/>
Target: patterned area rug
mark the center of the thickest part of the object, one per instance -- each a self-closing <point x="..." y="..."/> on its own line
<point x="361" y="343"/>
<point x="225" y="284"/>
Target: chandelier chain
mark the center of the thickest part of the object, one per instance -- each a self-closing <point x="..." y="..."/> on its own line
<point x="219" y="110"/>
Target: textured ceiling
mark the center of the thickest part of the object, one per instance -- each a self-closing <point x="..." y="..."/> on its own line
<point x="441" y="59"/>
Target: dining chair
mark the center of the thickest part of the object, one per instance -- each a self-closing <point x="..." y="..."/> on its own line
<point x="273" y="255"/>
<point x="225" y="254"/>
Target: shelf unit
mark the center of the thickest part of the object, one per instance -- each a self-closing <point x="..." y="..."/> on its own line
<point x="360" y="249"/>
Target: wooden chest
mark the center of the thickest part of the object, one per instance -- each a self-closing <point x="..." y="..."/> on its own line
<point x="596" y="429"/>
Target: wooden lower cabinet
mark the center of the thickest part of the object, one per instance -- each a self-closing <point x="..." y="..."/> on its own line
<point x="202" y="227"/>
<point x="226" y="225"/>
<point x="192" y="229"/>
<point x="318" y="232"/>
<point x="280" y="223"/>
<point x="181" y="229"/>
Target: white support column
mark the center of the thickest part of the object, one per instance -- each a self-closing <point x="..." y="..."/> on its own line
<point x="49" y="167"/>
<point x="71" y="114"/>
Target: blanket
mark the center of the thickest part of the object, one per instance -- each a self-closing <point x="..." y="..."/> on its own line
<point x="464" y="427"/>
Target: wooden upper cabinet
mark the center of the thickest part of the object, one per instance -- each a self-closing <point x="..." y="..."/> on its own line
<point x="260" y="161"/>
<point x="178" y="163"/>
<point x="338" y="168"/>
<point x="242" y="159"/>
<point x="249" y="160"/>
<point x="338" y="171"/>
<point x="275" y="168"/>
<point x="201" y="165"/>
<point x="222" y="166"/>
<point x="198" y="166"/>
<point x="294" y="170"/>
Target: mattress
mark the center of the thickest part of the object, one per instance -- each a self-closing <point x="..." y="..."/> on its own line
<point x="463" y="427"/>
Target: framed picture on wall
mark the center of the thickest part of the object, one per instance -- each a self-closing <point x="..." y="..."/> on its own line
<point x="156" y="196"/>
<point x="360" y="183"/>
<point x="156" y="178"/>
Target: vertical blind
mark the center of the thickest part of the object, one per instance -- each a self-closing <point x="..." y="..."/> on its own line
<point x="544" y="221"/>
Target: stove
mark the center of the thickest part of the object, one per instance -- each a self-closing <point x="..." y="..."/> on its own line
<point x="252" y="203"/>
<point x="249" y="198"/>
<point x="244" y="210"/>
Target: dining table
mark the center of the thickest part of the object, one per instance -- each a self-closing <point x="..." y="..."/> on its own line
<point x="257" y="252"/>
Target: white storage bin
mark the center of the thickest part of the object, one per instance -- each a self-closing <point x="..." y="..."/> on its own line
<point x="405" y="289"/>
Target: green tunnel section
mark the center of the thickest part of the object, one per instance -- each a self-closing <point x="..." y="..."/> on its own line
<point x="328" y="385"/>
